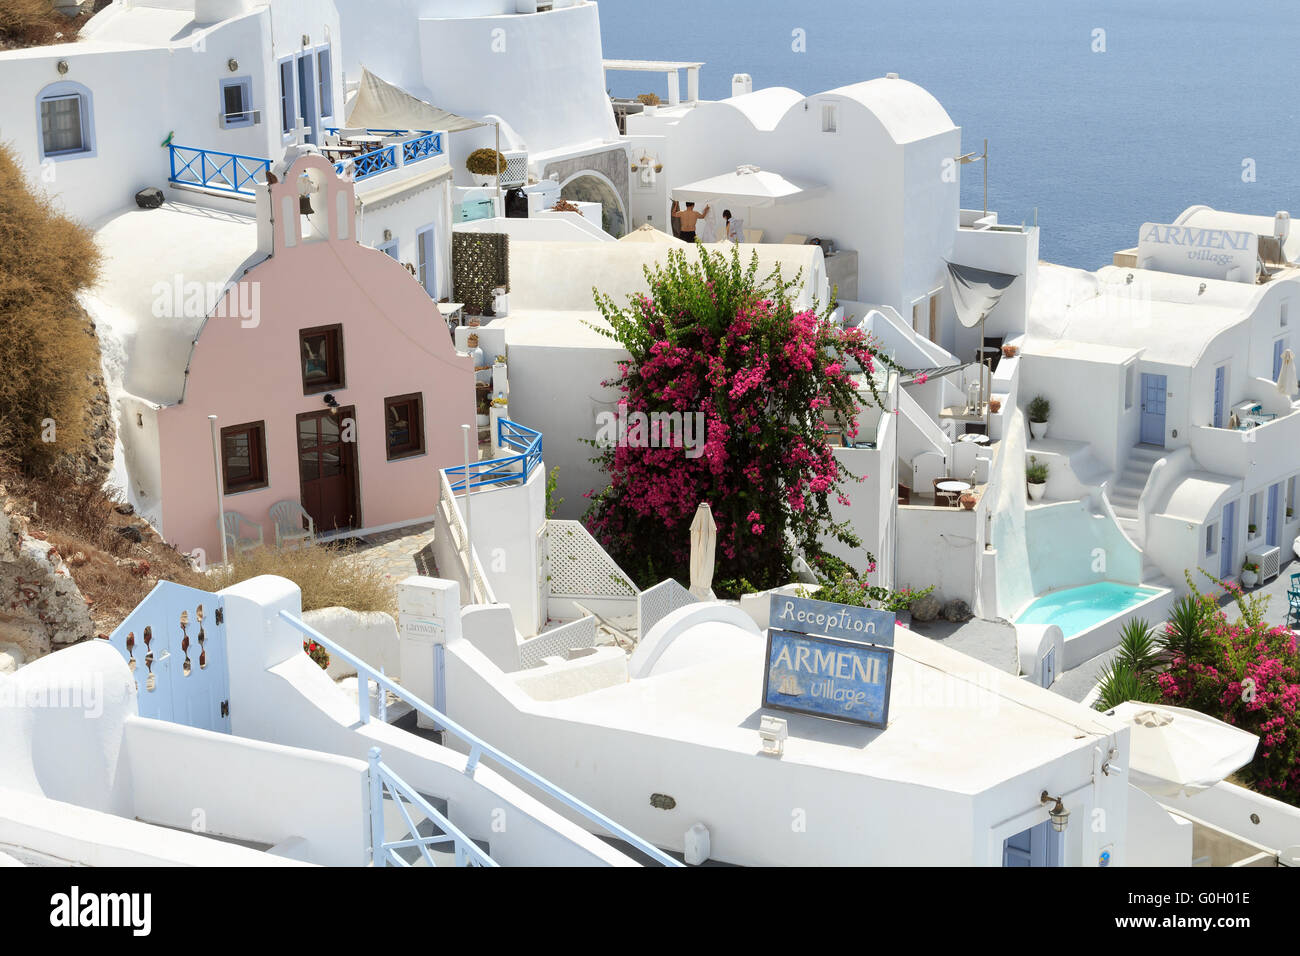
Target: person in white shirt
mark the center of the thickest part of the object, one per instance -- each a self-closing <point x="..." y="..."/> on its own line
<point x="734" y="227"/>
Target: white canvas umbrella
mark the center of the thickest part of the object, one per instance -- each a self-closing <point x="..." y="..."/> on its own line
<point x="1175" y="750"/>
<point x="704" y="537"/>
<point x="648" y="233"/>
<point x="747" y="186"/>
<point x="1286" y="376"/>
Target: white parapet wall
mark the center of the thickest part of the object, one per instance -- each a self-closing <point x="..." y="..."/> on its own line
<point x="279" y="694"/>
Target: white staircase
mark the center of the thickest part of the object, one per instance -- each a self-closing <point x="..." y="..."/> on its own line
<point x="1125" y="493"/>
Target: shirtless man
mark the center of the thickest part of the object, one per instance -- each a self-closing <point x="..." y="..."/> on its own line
<point x="689" y="217"/>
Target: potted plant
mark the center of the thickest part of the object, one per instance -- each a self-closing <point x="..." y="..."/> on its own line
<point x="486" y="162"/>
<point x="1036" y="478"/>
<point x="968" y="500"/>
<point x="1009" y="351"/>
<point x="1251" y="530"/>
<point x="1290" y="512"/>
<point x="1039" y="411"/>
<point x="1249" y="574"/>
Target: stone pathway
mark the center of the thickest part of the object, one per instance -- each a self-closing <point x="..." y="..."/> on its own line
<point x="401" y="552"/>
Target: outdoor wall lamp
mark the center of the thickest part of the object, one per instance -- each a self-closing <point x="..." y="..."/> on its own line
<point x="1059" y="816"/>
<point x="232" y="64"/>
<point x="62" y="67"/>
<point x="330" y="401"/>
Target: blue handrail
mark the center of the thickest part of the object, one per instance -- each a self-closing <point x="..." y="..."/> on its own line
<point x="477" y="748"/>
<point x="223" y="172"/>
<point x="383" y="852"/>
<point x="497" y="471"/>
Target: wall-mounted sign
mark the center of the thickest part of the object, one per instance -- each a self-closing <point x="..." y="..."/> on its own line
<point x="829" y="660"/>
<point x="1208" y="253"/>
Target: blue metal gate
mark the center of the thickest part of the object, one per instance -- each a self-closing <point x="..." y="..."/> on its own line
<point x="175" y="645"/>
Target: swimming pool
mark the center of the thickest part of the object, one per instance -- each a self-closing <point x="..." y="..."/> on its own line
<point x="1075" y="610"/>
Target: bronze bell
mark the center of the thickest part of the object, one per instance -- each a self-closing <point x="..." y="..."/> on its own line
<point x="304" y="206"/>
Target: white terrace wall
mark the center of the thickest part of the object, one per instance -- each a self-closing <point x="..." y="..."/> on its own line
<point x="279" y="694"/>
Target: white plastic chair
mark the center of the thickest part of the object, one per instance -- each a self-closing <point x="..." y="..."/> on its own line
<point x="288" y="516"/>
<point x="240" y="536"/>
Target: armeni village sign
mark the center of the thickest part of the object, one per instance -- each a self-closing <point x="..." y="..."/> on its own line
<point x="829" y="660"/>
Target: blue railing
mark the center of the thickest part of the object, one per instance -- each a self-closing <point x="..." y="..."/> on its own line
<point x="384" y="852"/>
<point x="224" y="172"/>
<point x="477" y="747"/>
<point x="498" y="471"/>
<point x="422" y="147"/>
<point x="370" y="164"/>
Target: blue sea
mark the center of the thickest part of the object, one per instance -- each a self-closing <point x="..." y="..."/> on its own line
<point x="1094" y="143"/>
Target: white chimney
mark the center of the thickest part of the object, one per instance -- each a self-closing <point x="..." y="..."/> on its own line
<point x="891" y="76"/>
<point x="1282" y="225"/>
<point x="742" y="83"/>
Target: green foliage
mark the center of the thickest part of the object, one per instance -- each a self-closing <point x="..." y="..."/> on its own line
<point x="1131" y="673"/>
<point x="845" y="586"/>
<point x="714" y="340"/>
<point x="552" y="502"/>
<point x="1035" y="471"/>
<point x="1118" y="683"/>
<point x="1039" y="409"/>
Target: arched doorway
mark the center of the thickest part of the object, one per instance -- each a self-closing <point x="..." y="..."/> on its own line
<point x="591" y="186"/>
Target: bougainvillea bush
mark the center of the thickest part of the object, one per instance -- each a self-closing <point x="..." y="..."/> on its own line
<point x="715" y="338"/>
<point x="1248" y="675"/>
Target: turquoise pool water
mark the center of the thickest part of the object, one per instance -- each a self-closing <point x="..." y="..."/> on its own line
<point x="1074" y="610"/>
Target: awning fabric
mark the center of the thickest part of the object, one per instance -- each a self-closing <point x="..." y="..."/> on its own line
<point x="975" y="292"/>
<point x="747" y="186"/>
<point x="381" y="105"/>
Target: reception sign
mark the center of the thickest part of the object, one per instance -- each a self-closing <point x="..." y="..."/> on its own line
<point x="813" y="669"/>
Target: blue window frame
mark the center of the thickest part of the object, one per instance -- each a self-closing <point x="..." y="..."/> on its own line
<point x="325" y="80"/>
<point x="237" y="102"/>
<point x="288" y="112"/>
<point x="389" y="248"/>
<point x="65" y="118"/>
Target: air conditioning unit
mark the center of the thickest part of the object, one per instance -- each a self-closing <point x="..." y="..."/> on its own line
<point x="516" y="173"/>
<point x="1269" y="561"/>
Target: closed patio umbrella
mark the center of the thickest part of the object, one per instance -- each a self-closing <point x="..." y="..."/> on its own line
<point x="704" y="537"/>
<point x="1286" y="376"/>
<point x="1175" y="750"/>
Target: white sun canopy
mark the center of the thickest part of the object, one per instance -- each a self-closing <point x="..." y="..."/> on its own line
<point x="747" y="186"/>
<point x="381" y="105"/>
<point x="975" y="292"/>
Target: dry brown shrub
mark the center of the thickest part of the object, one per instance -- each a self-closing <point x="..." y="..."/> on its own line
<point x="48" y="350"/>
<point x="36" y="23"/>
<point x="328" y="576"/>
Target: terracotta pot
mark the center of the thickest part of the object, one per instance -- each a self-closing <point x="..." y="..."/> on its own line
<point x="1009" y="351"/>
<point x="995" y="405"/>
<point x="968" y="501"/>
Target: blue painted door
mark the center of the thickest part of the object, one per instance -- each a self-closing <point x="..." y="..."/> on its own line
<point x="1270" y="526"/>
<point x="1038" y="846"/>
<point x="308" y="108"/>
<point x="1153" y="410"/>
<point x="1048" y="673"/>
<point x="174" y="643"/>
<point x="1229" y="537"/>
<point x="1220" y="388"/>
<point x="428" y="261"/>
